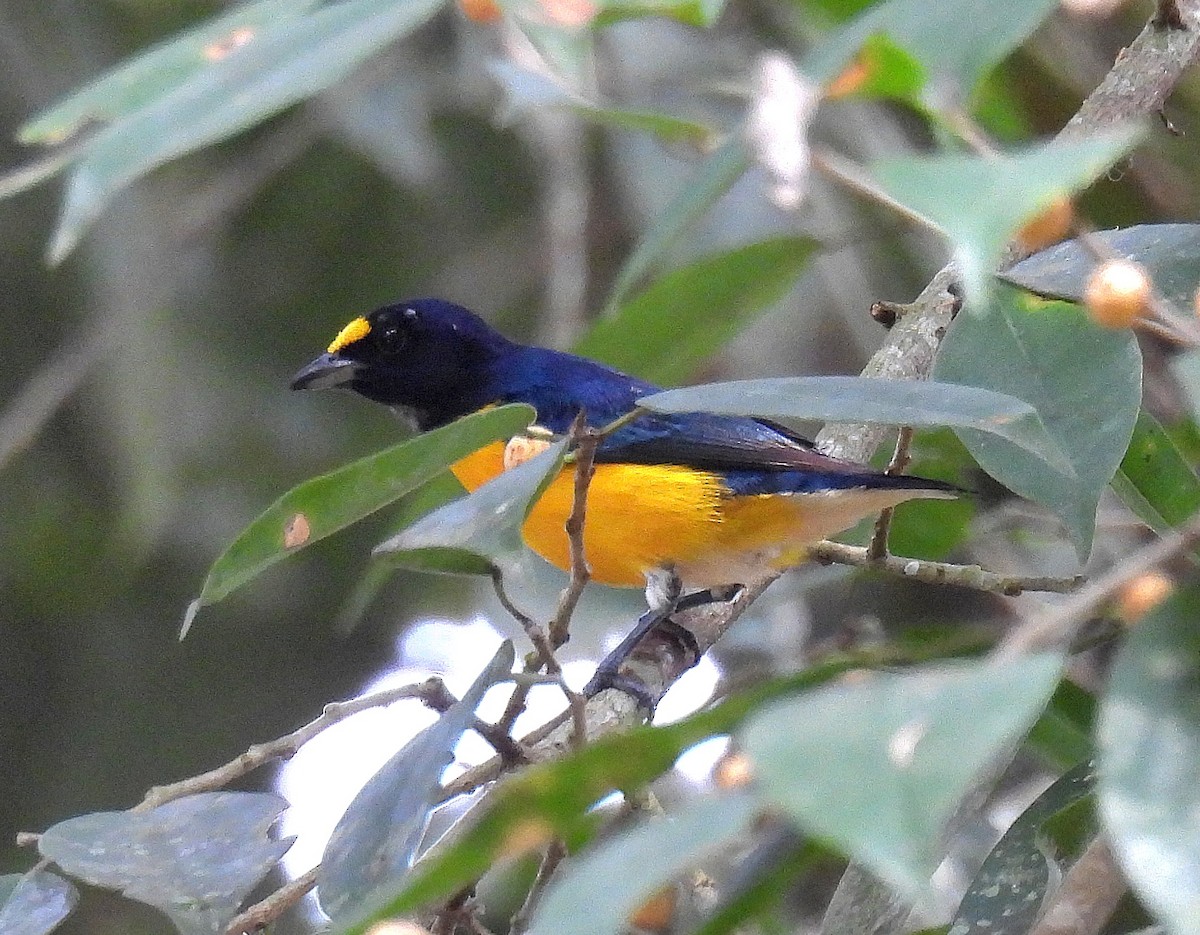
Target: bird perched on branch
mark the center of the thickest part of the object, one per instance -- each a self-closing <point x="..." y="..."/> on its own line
<point x="706" y="500"/>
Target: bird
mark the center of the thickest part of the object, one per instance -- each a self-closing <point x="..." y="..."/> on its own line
<point x="678" y="502"/>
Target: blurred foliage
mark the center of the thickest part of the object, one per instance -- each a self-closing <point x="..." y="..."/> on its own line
<point x="232" y="200"/>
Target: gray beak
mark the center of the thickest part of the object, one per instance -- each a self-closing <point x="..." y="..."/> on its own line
<point x="328" y="370"/>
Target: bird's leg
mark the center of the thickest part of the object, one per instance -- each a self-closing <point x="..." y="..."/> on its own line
<point x="664" y="597"/>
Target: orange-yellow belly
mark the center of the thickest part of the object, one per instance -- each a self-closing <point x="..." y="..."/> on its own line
<point x="645" y="517"/>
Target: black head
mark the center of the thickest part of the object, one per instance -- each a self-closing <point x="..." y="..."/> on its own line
<point x="429" y="357"/>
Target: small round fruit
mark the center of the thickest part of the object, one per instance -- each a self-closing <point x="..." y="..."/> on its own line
<point x="1117" y="292"/>
<point x="1051" y="225"/>
<point x="1142" y="594"/>
<point x="480" y="11"/>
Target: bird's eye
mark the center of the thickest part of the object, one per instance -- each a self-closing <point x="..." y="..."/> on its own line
<point x="392" y="339"/>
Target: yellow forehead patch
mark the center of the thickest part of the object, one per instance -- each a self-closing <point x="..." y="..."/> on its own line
<point x="355" y="331"/>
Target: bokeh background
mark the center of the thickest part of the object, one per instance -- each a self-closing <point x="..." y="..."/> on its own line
<point x="144" y="410"/>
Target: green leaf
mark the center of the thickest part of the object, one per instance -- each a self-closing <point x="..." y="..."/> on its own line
<point x="701" y="13"/>
<point x="148" y="75"/>
<point x="1008" y="892"/>
<point x="955" y="42"/>
<point x="1063" y="734"/>
<point x="597" y="893"/>
<point x="1085" y="382"/>
<point x="34" y="903"/>
<point x="422" y="501"/>
<point x="716" y="176"/>
<point x="1169" y="252"/>
<point x="905" y="732"/>
<point x="933" y="529"/>
<point x="1154" y="480"/>
<point x="376" y="839"/>
<point x="550" y="798"/>
<point x="470" y="536"/>
<point x="531" y="91"/>
<point x="288" y="60"/>
<point x="335" y="500"/>
<point x="882" y="69"/>
<point x="690" y="313"/>
<point x="196" y="859"/>
<point x="867" y="399"/>
<point x="1002" y="191"/>
<point x="1149" y="740"/>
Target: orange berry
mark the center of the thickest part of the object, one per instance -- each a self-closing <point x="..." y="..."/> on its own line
<point x="656" y="913"/>
<point x="733" y="771"/>
<point x="1049" y="226"/>
<point x="1117" y="292"/>
<point x="480" y="11"/>
<point x="1141" y="595"/>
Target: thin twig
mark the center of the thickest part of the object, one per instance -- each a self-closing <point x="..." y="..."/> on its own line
<point x="621" y="421"/>
<point x="585" y="443"/>
<point x="1058" y="625"/>
<point x="851" y="176"/>
<point x="285" y="747"/>
<point x="490" y="770"/>
<point x="964" y="576"/>
<point x="537" y="636"/>
<point x="263" y="913"/>
<point x="877" y="549"/>
<point x="555" y="852"/>
<point x="441" y="699"/>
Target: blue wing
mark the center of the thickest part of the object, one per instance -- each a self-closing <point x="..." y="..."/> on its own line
<point x="755" y="456"/>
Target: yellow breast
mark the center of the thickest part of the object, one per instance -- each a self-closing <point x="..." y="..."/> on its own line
<point x="643" y="517"/>
<point x="639" y="517"/>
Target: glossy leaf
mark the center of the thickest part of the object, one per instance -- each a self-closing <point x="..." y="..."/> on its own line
<point x="34" y="903"/>
<point x="412" y="506"/>
<point x="1149" y="741"/>
<point x="1154" y="480"/>
<point x="529" y="91"/>
<point x="597" y="893"/>
<point x="863" y="399"/>
<point x="149" y="74"/>
<point x="550" y="798"/>
<point x="1003" y="191"/>
<point x="1169" y="252"/>
<point x="1085" y="382"/>
<point x="469" y="536"/>
<point x="955" y="42"/>
<point x="906" y="732"/>
<point x="376" y="839"/>
<point x="690" y="313"/>
<point x="196" y="859"/>
<point x="335" y="500"/>
<point x="1008" y="892"/>
<point x="716" y="176"/>
<point x="1063" y="734"/>
<point x="286" y="61"/>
